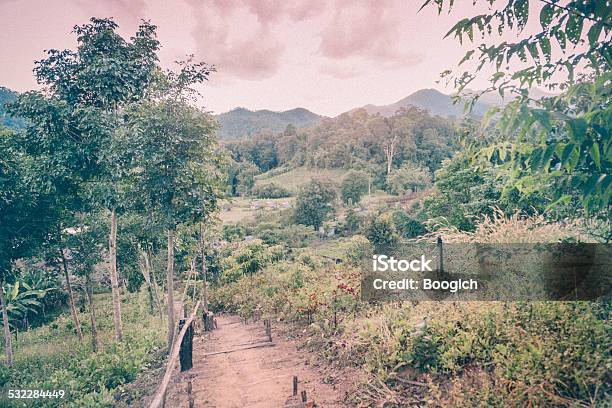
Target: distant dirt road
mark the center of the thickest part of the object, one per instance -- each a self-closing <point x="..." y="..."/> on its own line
<point x="257" y="377"/>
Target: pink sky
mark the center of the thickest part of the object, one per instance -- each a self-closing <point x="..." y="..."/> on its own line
<point x="325" y="56"/>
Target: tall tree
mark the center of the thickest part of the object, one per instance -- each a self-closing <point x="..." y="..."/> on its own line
<point x="178" y="162"/>
<point x="27" y="213"/>
<point x="81" y="113"/>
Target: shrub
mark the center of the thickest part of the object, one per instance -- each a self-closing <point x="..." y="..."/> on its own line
<point x="271" y="190"/>
<point x="379" y="230"/>
<point x="356" y="249"/>
<point x="408" y="178"/>
<point x="233" y="232"/>
<point x="407" y="226"/>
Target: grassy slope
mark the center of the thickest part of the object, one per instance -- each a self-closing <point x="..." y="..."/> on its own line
<point x="296" y="177"/>
<point x="51" y="357"/>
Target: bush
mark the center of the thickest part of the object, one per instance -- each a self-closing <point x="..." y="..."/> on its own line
<point x="407" y="226"/>
<point x="408" y="178"/>
<point x="233" y="232"/>
<point x="356" y="249"/>
<point x="271" y="190"/>
<point x="292" y="236"/>
<point x="380" y="231"/>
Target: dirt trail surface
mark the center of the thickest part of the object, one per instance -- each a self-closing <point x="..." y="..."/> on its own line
<point x="235" y="367"/>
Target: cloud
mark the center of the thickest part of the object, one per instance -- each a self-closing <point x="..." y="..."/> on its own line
<point x="339" y="72"/>
<point x="132" y="9"/>
<point x="371" y="30"/>
<point x="239" y="37"/>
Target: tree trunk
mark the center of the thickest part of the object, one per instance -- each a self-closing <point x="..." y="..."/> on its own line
<point x="170" y="284"/>
<point x="112" y="249"/>
<point x="205" y="286"/>
<point x="154" y="283"/>
<point x="73" y="312"/>
<point x="144" y="268"/>
<point x="92" y="313"/>
<point x="8" y="346"/>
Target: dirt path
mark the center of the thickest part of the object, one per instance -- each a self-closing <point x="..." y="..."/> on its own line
<point x="257" y="377"/>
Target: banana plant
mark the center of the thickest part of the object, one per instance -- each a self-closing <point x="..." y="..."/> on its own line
<point x="22" y="301"/>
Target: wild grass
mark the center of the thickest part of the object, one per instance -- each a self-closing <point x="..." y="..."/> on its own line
<point x="51" y="356"/>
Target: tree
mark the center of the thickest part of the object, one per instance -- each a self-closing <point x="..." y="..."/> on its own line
<point x="559" y="143"/>
<point x="408" y="178"/>
<point x="27" y="212"/>
<point x="314" y="202"/>
<point x="178" y="165"/>
<point x="354" y="185"/>
<point x="88" y="89"/>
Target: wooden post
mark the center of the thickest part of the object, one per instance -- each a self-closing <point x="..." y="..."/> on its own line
<point x="268" y="330"/>
<point x="295" y="385"/>
<point x="186" y="350"/>
<point x="208" y="318"/>
<point x="440" y="258"/>
<point x="189" y="394"/>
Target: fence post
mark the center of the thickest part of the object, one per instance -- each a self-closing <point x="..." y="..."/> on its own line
<point x="186" y="350"/>
<point x="268" y="326"/>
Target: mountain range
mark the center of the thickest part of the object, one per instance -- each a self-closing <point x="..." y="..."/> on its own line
<point x="242" y="123"/>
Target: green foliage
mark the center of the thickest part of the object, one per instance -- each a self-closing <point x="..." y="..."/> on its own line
<point x="179" y="177"/>
<point x="314" y="202"/>
<point x="354" y="186"/>
<point x="465" y="193"/>
<point x="233" y="232"/>
<point x="53" y="359"/>
<point x="408" y="178"/>
<point x="380" y="231"/>
<point x="292" y="236"/>
<point x="356" y="250"/>
<point x="352" y="221"/>
<point x="247" y="258"/>
<point x="22" y="300"/>
<point x="408" y="226"/>
<point x="561" y="142"/>
<point x="271" y="190"/>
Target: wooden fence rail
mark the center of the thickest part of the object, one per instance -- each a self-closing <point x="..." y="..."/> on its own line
<point x="160" y="394"/>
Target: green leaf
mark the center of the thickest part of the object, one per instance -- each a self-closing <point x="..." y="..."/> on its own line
<point x="594" y="152"/>
<point x="550" y="149"/>
<point x="577" y="128"/>
<point x="543" y="117"/>
<point x="467" y="56"/>
<point x="567" y="150"/>
<point x="574" y="158"/>
<point x="533" y="51"/>
<point x="573" y="28"/>
<point x="521" y="11"/>
<point x="560" y="36"/>
<point x="546" y="15"/>
<point x="594" y="33"/>
<point x="545" y="47"/>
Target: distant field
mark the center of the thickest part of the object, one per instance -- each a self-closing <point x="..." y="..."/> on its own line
<point x="296" y="177"/>
<point x="244" y="209"/>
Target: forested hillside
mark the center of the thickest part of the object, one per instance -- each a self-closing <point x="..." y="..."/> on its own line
<point x="8" y="96"/>
<point x="242" y="123"/>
